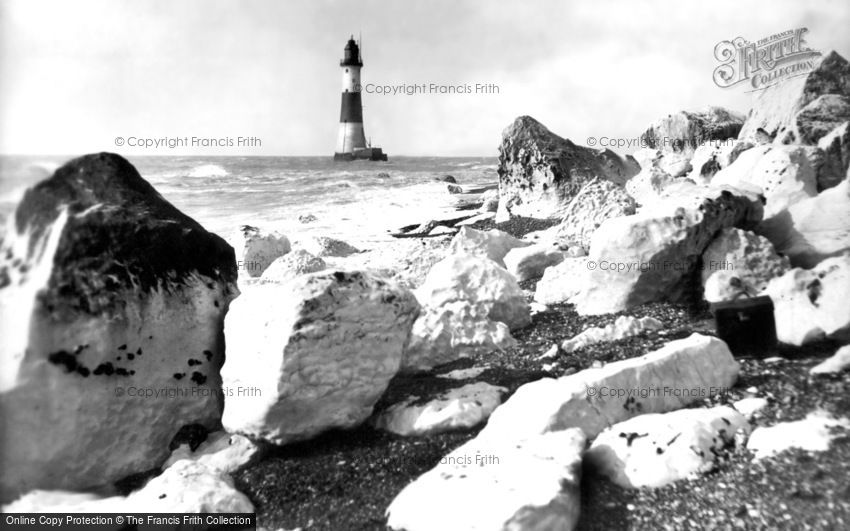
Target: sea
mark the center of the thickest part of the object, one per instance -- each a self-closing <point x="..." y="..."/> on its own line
<point x="360" y="202"/>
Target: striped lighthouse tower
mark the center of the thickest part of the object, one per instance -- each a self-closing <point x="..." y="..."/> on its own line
<point x="351" y="140"/>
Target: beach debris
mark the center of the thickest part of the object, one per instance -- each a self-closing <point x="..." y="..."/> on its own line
<point x="312" y="354"/>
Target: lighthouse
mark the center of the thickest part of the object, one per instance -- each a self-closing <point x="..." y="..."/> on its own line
<point x="351" y="140"/>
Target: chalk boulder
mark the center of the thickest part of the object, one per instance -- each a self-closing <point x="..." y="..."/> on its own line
<point x="110" y="291"/>
<point x="590" y="399"/>
<point x="836" y="148"/>
<point x="460" y="408"/>
<point x="737" y="256"/>
<point x="562" y="282"/>
<point x="653" y="254"/>
<point x="528" y="484"/>
<point x="810" y="304"/>
<point x="776" y="109"/>
<point x="469" y="305"/>
<point x="530" y="262"/>
<point x="657" y="449"/>
<point x="597" y="201"/>
<point x="493" y="244"/>
<point x="294" y="263"/>
<point x="684" y="131"/>
<point x="540" y="172"/>
<point x="256" y="249"/>
<point x="784" y="175"/>
<point x="312" y="354"/>
<point x="812" y="229"/>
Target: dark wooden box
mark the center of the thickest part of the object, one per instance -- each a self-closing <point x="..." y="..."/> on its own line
<point x="746" y="324"/>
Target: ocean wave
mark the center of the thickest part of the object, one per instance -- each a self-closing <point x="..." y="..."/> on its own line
<point x="208" y="170"/>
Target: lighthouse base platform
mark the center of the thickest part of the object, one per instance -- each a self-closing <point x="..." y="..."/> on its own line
<point x="374" y="154"/>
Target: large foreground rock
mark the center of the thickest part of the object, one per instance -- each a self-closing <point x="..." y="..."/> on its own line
<point x="540" y="172"/>
<point x="530" y="484"/>
<point x="657" y="449"/>
<point x="654" y="254"/>
<point x="812" y="229"/>
<point x="111" y="294"/>
<point x="597" y="201"/>
<point x="312" y="354"/>
<point x="682" y="372"/>
<point x="469" y="306"/>
<point x="810" y="304"/>
<point x="776" y="109"/>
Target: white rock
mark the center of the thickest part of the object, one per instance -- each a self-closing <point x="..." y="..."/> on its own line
<point x="775" y="110"/>
<point x="560" y="283"/>
<point x="711" y="157"/>
<point x="657" y="449"/>
<point x="838" y="362"/>
<point x="814" y="434"/>
<point x="256" y="249"/>
<point x="186" y="487"/>
<point x="493" y="244"/>
<point x="453" y="331"/>
<point x="189" y="487"/>
<point x="222" y="452"/>
<point x="811" y="304"/>
<point x="530" y="262"/>
<point x="469" y="306"/>
<point x="528" y="484"/>
<point x="750" y="406"/>
<point x="741" y="255"/>
<point x="323" y="246"/>
<point x="464" y="374"/>
<point x="698" y="362"/>
<point x="597" y="201"/>
<point x="783" y="174"/>
<point x="476" y="281"/>
<point x="625" y="326"/>
<point x="812" y="229"/>
<point x="490" y="201"/>
<point x="112" y="292"/>
<point x="651" y="255"/>
<point x="312" y="354"/>
<point x="551" y="353"/>
<point x="836" y="148"/>
<point x="460" y="408"/>
<point x="442" y="230"/>
<point x="292" y="264"/>
<point x="647" y="186"/>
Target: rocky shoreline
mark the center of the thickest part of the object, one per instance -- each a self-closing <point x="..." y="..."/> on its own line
<point x="551" y="361"/>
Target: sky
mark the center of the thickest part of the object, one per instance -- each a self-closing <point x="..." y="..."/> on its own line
<point x="75" y="76"/>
